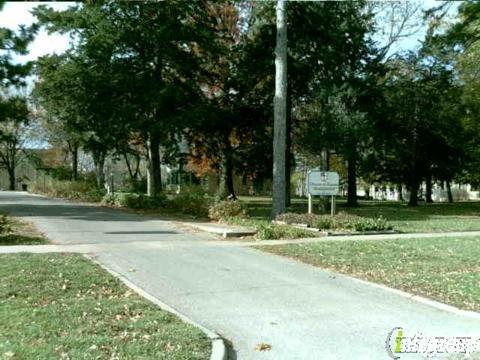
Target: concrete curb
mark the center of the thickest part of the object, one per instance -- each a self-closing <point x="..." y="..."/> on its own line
<point x="219" y="350"/>
<point x="224" y="230"/>
<point x="417" y="298"/>
<point x="390" y="237"/>
<point x="432" y="303"/>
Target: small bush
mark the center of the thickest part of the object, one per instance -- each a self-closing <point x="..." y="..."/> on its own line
<point x="4" y="224"/>
<point x="108" y="200"/>
<point x="144" y="202"/>
<point x="195" y="203"/>
<point x="271" y="231"/>
<point x="324" y="222"/>
<point x="372" y="224"/>
<point x="134" y="201"/>
<point x="344" y="221"/>
<point x="74" y="190"/>
<point x="62" y="173"/>
<point x="294" y="218"/>
<point x="341" y="221"/>
<point x="93" y="195"/>
<point x="221" y="210"/>
<point x="137" y="186"/>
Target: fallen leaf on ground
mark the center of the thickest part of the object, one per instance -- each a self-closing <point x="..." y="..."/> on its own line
<point x="263" y="347"/>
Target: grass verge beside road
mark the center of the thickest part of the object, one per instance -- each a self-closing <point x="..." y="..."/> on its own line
<point x="63" y="306"/>
<point x="17" y="232"/>
<point x="444" y="269"/>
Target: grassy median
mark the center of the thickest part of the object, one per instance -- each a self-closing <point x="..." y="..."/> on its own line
<point x="59" y="306"/>
<point x="445" y="269"/>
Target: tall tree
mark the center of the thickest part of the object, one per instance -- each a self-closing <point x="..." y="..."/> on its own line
<point x="78" y="91"/>
<point x="280" y="112"/>
<point x="422" y="127"/>
<point x="13" y="120"/>
<point x="152" y="69"/>
<point x="14" y="42"/>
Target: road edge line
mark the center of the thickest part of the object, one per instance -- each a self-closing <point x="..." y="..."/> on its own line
<point x="418" y="298"/>
<point x="219" y="349"/>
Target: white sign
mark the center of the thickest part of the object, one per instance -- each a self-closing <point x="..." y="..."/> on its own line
<point x="322" y="182"/>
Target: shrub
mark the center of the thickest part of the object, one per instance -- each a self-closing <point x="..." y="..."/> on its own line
<point x="311" y="220"/>
<point x="341" y="221"/>
<point x="109" y="200"/>
<point x="75" y="190"/>
<point x="134" y="201"/>
<point x="372" y="224"/>
<point x="194" y="202"/>
<point x="141" y="201"/>
<point x="62" y="173"/>
<point x="137" y="186"/>
<point x="325" y="222"/>
<point x="221" y="210"/>
<point x="344" y="221"/>
<point x="4" y="224"/>
<point x="269" y="231"/>
<point x="357" y="223"/>
<point x="294" y="218"/>
<point x="93" y="195"/>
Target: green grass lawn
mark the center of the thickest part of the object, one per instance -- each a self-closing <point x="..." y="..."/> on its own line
<point x="17" y="232"/>
<point x="59" y="306"/>
<point x="438" y="217"/>
<point x="445" y="269"/>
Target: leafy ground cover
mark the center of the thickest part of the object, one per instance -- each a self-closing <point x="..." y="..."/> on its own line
<point x="266" y="230"/>
<point x="445" y="269"/>
<point x="341" y="222"/>
<point x="437" y="217"/>
<point x="59" y="306"/>
<point x="16" y="232"/>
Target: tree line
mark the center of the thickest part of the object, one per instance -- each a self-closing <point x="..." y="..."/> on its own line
<point x="142" y="77"/>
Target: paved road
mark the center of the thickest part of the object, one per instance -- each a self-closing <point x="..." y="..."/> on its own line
<point x="245" y="295"/>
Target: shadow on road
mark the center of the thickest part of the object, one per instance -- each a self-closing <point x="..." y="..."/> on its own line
<point x="70" y="210"/>
<point x="139" y="232"/>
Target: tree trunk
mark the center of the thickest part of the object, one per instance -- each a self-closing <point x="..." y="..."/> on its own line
<point x="11" y="178"/>
<point x="226" y="189"/>
<point x="352" y="183"/>
<point x="413" y="201"/>
<point x="129" y="167"/>
<point x="288" y="150"/>
<point x="75" y="163"/>
<point x="449" y="192"/>
<point x="399" y="193"/>
<point x="324" y="205"/>
<point x="136" y="173"/>
<point x="288" y="164"/>
<point x="280" y="112"/>
<point x="99" y="162"/>
<point x="154" y="178"/>
<point x="428" y="190"/>
<point x="133" y="173"/>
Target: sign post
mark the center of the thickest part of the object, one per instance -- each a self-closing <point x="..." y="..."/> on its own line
<point x="324" y="183"/>
<point x="332" y="207"/>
